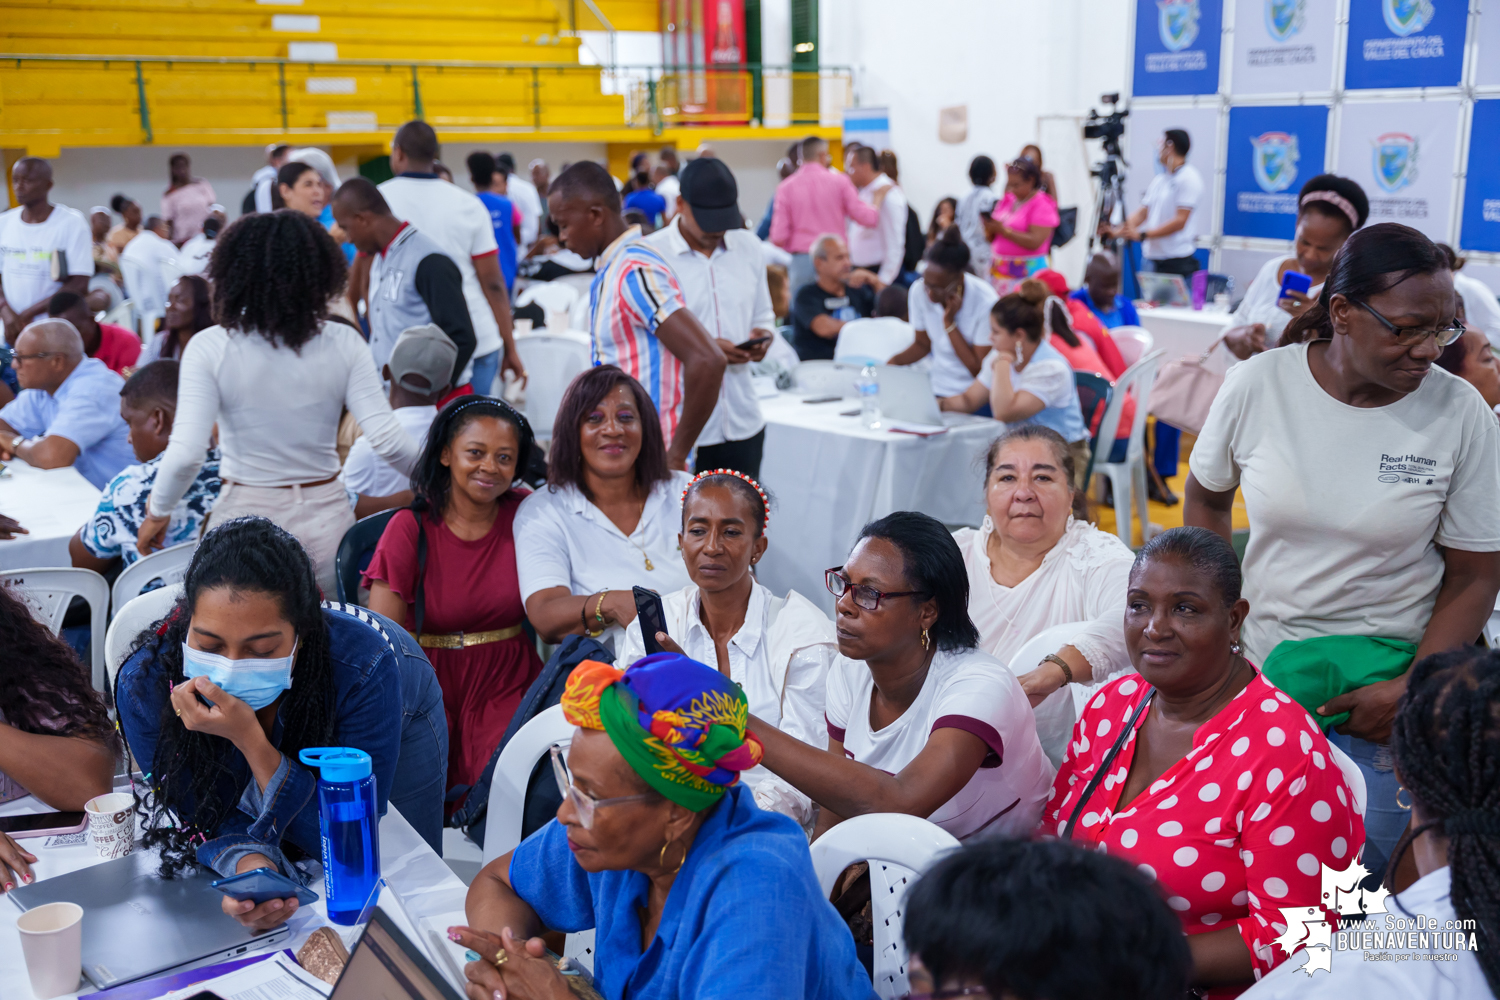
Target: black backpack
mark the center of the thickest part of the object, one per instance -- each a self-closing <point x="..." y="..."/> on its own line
<point x="916" y="241"/>
<point x="542" y="798"/>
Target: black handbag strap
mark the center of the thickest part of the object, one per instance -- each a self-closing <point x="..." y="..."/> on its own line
<point x="420" y="602"/>
<point x="1109" y="759"/>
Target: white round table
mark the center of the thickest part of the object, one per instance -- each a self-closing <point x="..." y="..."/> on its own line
<point x="52" y="504"/>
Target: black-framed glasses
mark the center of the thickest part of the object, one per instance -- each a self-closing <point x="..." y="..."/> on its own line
<point x="1412" y="336"/>
<point x="583" y="803"/>
<point x="866" y="597"/>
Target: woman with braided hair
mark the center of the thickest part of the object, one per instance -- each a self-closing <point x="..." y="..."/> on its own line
<point x="276" y="376"/>
<point x="446" y="569"/>
<point x="249" y="668"/>
<point x="1446" y="739"/>
<point x="693" y="892"/>
<point x="777" y="649"/>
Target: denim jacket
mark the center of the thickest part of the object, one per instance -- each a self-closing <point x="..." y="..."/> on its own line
<point x="367" y="684"/>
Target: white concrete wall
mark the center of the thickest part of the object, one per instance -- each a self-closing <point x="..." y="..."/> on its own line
<point x="1011" y="61"/>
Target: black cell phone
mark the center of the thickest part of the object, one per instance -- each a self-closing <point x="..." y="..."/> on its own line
<point x="752" y="342"/>
<point x="43" y="824"/>
<point x="652" y="618"/>
<point x="822" y="399"/>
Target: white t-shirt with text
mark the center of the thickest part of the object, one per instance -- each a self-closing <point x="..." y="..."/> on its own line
<point x="1348" y="505"/>
<point x="26" y="253"/>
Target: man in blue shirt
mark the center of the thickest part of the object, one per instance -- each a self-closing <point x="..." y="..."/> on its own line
<point x="491" y="184"/>
<point x="1101" y="293"/>
<point x="68" y="411"/>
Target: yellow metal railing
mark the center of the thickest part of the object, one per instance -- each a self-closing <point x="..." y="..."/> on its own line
<point x="123" y="100"/>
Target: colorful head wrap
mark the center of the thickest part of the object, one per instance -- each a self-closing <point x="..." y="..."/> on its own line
<point x="679" y="724"/>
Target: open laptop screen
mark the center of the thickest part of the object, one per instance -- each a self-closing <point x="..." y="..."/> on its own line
<point x="385" y="965"/>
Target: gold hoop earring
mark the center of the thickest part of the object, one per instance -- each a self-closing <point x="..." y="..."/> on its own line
<point x="925" y="640"/>
<point x="661" y="859"/>
<point x="1407" y="804"/>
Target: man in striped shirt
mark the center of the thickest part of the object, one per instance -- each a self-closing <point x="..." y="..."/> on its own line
<point x="637" y="316"/>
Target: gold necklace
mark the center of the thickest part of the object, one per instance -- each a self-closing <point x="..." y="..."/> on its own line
<point x="631" y="538"/>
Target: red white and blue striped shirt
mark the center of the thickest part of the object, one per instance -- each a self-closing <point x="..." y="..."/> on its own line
<point x="634" y="291"/>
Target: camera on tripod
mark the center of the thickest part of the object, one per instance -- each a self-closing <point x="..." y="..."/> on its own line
<point x="1108" y="127"/>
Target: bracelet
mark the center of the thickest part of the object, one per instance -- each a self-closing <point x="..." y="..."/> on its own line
<point x="598" y="617"/>
<point x="583" y="614"/>
<point x="1067" y="670"/>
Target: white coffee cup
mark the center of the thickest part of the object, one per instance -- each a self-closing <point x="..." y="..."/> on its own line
<point x="558" y="321"/>
<point x="52" y="941"/>
<point x="111" y="824"/>
<point x="522" y="326"/>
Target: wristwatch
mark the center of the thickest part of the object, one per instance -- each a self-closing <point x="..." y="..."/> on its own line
<point x="16" y="442"/>
<point x="1067" y="670"/>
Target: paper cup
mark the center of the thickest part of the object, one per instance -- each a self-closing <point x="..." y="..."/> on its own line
<point x="111" y="824"/>
<point x="558" y="321"/>
<point x="522" y="327"/>
<point x="52" y="941"/>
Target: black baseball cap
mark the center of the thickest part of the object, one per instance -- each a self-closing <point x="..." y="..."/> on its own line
<point x="709" y="189"/>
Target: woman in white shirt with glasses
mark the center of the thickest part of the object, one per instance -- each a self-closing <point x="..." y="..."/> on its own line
<point x="609" y="516"/>
<point x="777" y="649"/>
<point x="920" y="721"/>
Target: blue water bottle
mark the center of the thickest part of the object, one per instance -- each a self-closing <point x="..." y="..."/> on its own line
<point x="351" y="834"/>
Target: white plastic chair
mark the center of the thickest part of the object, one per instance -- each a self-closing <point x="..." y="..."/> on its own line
<point x="1134" y="342"/>
<point x="578" y="316"/>
<point x="169" y="566"/>
<point x="552" y="361"/>
<point x="550" y="295"/>
<point x="532" y="742"/>
<point x="48" y="591"/>
<point x="502" y="830"/>
<point x="121" y="315"/>
<point x="874" y="340"/>
<point x="135" y="615"/>
<point x="899" y="848"/>
<point x="1058" y="712"/>
<point x="1129" y="477"/>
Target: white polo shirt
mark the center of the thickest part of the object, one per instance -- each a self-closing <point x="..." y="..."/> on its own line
<point x="1164" y="196"/>
<point x="459" y="223"/>
<point x="729" y="295"/>
<point x="949" y="376"/>
<point x="563" y="540"/>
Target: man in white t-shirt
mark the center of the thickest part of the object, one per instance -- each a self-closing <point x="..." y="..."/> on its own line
<point x="419" y="371"/>
<point x="1168" y="218"/>
<point x="459" y="223"/>
<point x="150" y="265"/>
<point x="38" y="239"/>
<point x="973" y="209"/>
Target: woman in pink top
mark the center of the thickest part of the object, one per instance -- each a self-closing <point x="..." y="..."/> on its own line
<point x="1020" y="229"/>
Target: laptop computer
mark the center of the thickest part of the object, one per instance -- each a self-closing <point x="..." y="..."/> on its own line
<point x="1164" y="289"/>
<point x="137" y="924"/>
<point x="386" y="965"/>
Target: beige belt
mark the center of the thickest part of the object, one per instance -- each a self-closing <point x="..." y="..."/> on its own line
<point x="461" y="640"/>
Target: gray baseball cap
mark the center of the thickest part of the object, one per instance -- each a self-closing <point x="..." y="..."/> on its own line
<point x="424" y="351"/>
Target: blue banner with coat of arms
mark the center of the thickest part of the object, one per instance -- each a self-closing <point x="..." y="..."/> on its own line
<point x="1272" y="152"/>
<point x="1481" y="220"/>
<point x="1405" y="43"/>
<point x="1177" y="47"/>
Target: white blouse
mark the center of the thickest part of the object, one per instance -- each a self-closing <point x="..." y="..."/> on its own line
<point x="779" y="658"/>
<point x="964" y="689"/>
<point x="1259" y="304"/>
<point x="1083" y="579"/>
<point x="563" y="540"/>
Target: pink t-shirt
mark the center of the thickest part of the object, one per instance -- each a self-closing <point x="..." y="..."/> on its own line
<point x="1038" y="210"/>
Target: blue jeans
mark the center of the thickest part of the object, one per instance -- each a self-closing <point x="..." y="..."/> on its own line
<point x="422" y="767"/>
<point x="1384" y="820"/>
<point x="486" y="370"/>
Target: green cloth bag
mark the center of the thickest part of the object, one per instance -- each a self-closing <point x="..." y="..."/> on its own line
<point x="1311" y="671"/>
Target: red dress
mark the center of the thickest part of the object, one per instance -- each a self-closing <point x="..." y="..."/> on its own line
<point x="1233" y="832"/>
<point x="468" y="587"/>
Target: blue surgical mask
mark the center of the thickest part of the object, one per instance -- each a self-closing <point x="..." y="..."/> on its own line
<point x="255" y="682"/>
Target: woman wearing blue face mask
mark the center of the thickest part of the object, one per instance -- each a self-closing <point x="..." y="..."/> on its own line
<point x="249" y="668"/>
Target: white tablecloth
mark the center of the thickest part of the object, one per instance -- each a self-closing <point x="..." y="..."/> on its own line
<point x="829" y="477"/>
<point x="50" y="503"/>
<point x="1181" y="331"/>
<point x="427" y="887"/>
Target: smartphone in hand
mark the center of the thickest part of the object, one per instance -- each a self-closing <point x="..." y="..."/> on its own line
<point x="1294" y="281"/>
<point x="262" y="885"/>
<point x="652" y="618"/>
<point x="752" y="342"/>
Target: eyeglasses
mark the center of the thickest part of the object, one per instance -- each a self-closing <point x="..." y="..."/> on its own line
<point x="35" y="357"/>
<point x="584" y="803"/>
<point x="866" y="597"/>
<point x="1410" y="336"/>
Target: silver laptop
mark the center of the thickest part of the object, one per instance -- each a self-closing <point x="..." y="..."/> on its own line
<point x="137" y="924"/>
<point x="906" y="395"/>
